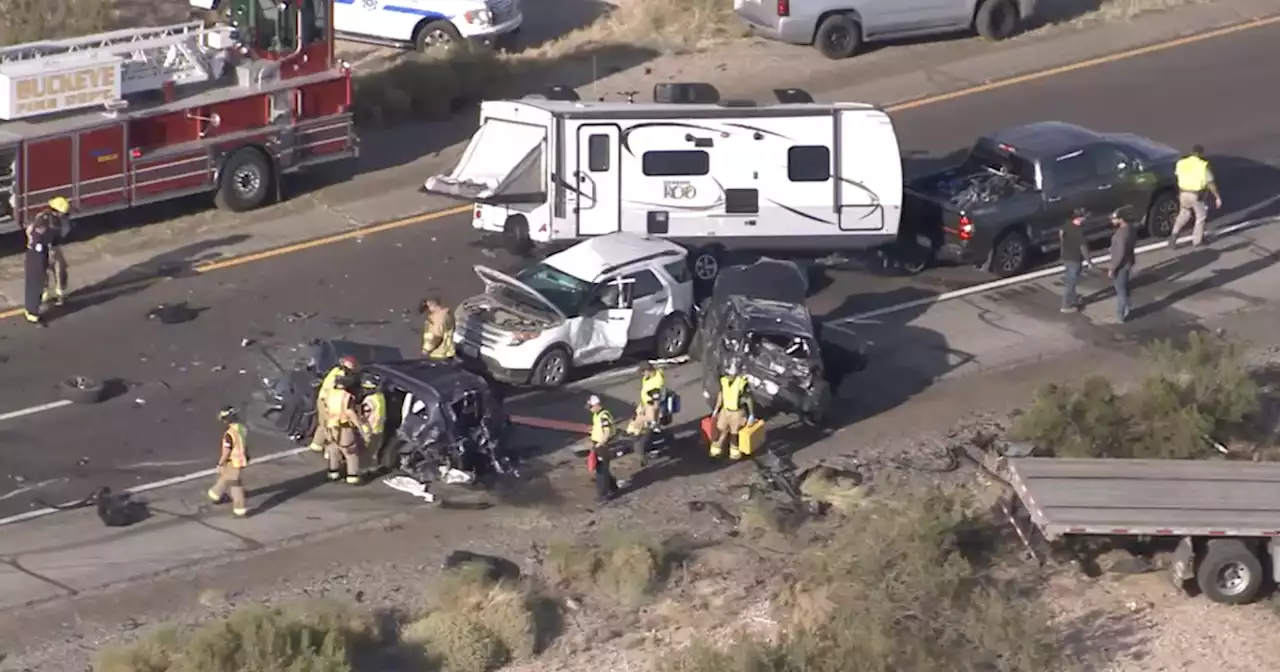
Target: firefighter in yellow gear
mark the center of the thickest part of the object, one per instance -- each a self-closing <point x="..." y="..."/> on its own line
<point x="1194" y="179"/>
<point x="231" y="463"/>
<point x="60" y="209"/>
<point x="347" y="365"/>
<point x="653" y="386"/>
<point x="437" y="332"/>
<point x="345" y="429"/>
<point x="734" y="410"/>
<point x="602" y="429"/>
<point x="373" y="411"/>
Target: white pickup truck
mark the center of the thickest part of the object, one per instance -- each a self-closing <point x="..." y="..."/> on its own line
<point x="429" y="24"/>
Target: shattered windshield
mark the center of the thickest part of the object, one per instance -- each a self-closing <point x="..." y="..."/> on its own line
<point x="566" y="292"/>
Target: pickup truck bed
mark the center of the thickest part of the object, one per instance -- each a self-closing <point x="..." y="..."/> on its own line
<point x="1068" y="496"/>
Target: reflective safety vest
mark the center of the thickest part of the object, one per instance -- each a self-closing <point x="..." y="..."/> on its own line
<point x="650" y="384"/>
<point x="336" y="404"/>
<point x="237" y="433"/>
<point x="443" y="349"/>
<point x="1193" y="174"/>
<point x="731" y="390"/>
<point x="601" y="426"/>
<point x="375" y="410"/>
<point x="330" y="379"/>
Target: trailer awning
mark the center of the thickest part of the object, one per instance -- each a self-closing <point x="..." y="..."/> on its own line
<point x="502" y="164"/>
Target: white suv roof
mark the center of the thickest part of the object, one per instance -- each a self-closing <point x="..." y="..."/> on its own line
<point x="592" y="257"/>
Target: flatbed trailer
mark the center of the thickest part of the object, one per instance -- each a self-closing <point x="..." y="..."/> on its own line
<point x="1226" y="514"/>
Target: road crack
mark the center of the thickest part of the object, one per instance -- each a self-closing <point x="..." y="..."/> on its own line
<point x="17" y="566"/>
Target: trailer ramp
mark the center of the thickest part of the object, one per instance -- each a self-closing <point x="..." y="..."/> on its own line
<point x="1069" y="496"/>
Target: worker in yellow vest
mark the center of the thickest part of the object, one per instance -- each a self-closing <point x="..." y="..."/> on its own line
<point x="347" y="365"/>
<point x="602" y="429"/>
<point x="373" y="411"/>
<point x="437" y="333"/>
<point x="734" y="410"/>
<point x="653" y="385"/>
<point x="1194" y="178"/>
<point x="233" y="460"/>
<point x="345" y="429"/>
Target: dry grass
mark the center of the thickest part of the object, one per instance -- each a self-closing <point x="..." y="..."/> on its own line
<point x="1084" y="13"/>
<point x="903" y="585"/>
<point x="828" y="486"/>
<point x="476" y="625"/>
<point x="315" y="636"/>
<point x="669" y="26"/>
<point x="31" y="20"/>
<point x="623" y="568"/>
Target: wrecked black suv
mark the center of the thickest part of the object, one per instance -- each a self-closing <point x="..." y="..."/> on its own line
<point x="442" y="421"/>
<point x="756" y="316"/>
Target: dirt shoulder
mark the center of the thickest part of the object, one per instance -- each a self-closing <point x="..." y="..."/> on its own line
<point x="391" y="564"/>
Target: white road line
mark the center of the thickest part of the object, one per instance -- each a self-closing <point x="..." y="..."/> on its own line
<point x="147" y="487"/>
<point x="34" y="409"/>
<point x="1218" y="232"/>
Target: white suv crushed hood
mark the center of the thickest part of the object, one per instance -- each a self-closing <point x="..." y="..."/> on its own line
<point x="494" y="280"/>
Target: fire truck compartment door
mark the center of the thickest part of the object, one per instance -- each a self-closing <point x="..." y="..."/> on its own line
<point x="502" y="164"/>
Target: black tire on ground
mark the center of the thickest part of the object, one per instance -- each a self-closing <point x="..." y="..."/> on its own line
<point x="245" y="181"/>
<point x="672" y="337"/>
<point x="81" y="390"/>
<point x="437" y="34"/>
<point x="838" y="37"/>
<point x="1161" y="215"/>
<point x="1011" y="254"/>
<point x="997" y="19"/>
<point x="515" y="236"/>
<point x="704" y="263"/>
<point x="552" y="368"/>
<point x="1230" y="572"/>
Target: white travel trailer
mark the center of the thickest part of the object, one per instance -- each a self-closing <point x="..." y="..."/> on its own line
<point x="795" y="176"/>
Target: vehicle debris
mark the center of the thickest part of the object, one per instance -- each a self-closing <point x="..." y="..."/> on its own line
<point x="298" y="317"/>
<point x="174" y="313"/>
<point x="246" y="342"/>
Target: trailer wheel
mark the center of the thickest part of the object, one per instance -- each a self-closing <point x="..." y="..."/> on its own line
<point x="245" y="182"/>
<point x="705" y="263"/>
<point x="515" y="236"/>
<point x="1230" y="572"/>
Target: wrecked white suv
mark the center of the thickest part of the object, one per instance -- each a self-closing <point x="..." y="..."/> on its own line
<point x="587" y="305"/>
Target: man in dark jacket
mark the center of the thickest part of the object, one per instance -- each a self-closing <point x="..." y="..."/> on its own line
<point x="1123" y="258"/>
<point x="1075" y="256"/>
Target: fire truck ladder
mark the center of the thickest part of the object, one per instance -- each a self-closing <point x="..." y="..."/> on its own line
<point x="181" y="53"/>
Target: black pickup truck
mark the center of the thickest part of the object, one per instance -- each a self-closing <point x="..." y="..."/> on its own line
<point x="1018" y="186"/>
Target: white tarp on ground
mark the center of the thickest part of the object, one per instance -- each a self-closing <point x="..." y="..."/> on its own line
<point x="499" y="154"/>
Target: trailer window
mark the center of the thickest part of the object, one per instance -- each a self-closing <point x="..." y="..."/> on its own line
<point x="809" y="163"/>
<point x="689" y="163"/>
<point x="598" y="153"/>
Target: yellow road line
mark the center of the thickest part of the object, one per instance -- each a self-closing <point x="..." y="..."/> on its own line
<point x="900" y="107"/>
<point x="1083" y="65"/>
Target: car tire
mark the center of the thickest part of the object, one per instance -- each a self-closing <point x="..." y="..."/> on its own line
<point x="552" y="368"/>
<point x="515" y="236"/>
<point x="997" y="20"/>
<point x="672" y="337"/>
<point x="704" y="263"/>
<point x="438" y="34"/>
<point x="838" y="37"/>
<point x="1230" y="572"/>
<point x="1162" y="214"/>
<point x="1011" y="254"/>
<point x="244" y="183"/>
<point x="81" y="390"/>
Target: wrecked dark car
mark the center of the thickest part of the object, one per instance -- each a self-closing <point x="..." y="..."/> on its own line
<point x="443" y="422"/>
<point x="756" y="316"/>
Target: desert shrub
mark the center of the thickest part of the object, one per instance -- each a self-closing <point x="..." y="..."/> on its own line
<point x="31" y="20"/>
<point x="623" y="568"/>
<point x="1200" y="391"/>
<point x="309" y="636"/>
<point x="902" y="586"/>
<point x="476" y="624"/>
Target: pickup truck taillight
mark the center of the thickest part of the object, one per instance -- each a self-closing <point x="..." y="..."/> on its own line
<point x="784" y="7"/>
<point x="966" y="228"/>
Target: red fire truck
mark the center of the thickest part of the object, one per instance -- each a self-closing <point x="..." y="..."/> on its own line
<point x="140" y="115"/>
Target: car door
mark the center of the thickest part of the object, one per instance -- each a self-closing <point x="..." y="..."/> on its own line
<point x="1127" y="188"/>
<point x="649" y="299"/>
<point x="1074" y="184"/>
<point x="603" y="330"/>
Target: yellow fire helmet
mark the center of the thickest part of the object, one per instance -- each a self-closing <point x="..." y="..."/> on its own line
<point x="60" y="204"/>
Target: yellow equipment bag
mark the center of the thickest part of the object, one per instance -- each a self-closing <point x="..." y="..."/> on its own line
<point x="751" y="437"/>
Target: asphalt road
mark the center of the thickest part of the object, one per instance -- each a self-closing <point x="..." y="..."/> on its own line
<point x="173" y="378"/>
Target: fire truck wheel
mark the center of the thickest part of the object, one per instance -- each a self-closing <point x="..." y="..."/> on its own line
<point x="245" y="182"/>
